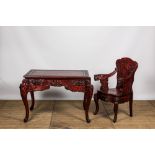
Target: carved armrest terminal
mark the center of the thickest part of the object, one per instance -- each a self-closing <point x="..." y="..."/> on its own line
<point x="104" y="79"/>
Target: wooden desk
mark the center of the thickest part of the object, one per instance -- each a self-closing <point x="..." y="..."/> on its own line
<point x="39" y="80"/>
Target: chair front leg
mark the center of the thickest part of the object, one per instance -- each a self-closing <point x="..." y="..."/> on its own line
<point x="96" y="103"/>
<point x="115" y="112"/>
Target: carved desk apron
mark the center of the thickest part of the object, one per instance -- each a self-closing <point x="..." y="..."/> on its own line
<point x="39" y="80"/>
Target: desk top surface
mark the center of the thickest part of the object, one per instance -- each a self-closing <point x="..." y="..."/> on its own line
<point x="56" y="74"/>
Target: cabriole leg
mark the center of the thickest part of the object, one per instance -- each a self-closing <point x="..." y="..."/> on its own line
<point x="23" y="92"/>
<point x="87" y="100"/>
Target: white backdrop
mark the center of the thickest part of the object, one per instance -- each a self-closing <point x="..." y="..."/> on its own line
<point x="93" y="48"/>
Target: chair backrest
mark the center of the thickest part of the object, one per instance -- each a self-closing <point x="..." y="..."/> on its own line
<point x="126" y="69"/>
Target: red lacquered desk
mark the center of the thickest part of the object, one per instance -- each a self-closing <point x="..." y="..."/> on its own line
<point x="39" y="80"/>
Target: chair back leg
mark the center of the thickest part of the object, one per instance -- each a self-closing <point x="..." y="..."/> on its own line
<point x="130" y="105"/>
<point x="115" y="112"/>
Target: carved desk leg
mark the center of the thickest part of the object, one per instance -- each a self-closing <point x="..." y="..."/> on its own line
<point x="87" y="99"/>
<point x="24" y="92"/>
<point x="33" y="101"/>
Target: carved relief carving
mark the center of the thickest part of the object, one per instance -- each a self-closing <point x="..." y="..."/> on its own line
<point x="42" y="84"/>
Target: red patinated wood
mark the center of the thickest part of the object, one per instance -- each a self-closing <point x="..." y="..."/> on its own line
<point x="39" y="80"/>
<point x="125" y="69"/>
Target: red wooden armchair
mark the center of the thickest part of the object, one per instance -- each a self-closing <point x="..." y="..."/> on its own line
<point x="125" y="69"/>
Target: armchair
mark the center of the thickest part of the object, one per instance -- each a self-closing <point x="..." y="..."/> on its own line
<point x="125" y="69"/>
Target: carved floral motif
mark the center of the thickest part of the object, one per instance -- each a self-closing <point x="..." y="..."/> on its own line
<point x="42" y="84"/>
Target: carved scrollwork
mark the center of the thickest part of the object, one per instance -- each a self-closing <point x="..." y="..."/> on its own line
<point x="73" y="85"/>
<point x="78" y="83"/>
<point x="42" y="84"/>
<point x="37" y="81"/>
<point x="24" y="87"/>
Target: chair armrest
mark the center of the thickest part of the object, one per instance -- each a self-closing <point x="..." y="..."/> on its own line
<point x="104" y="80"/>
<point x="104" y="76"/>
